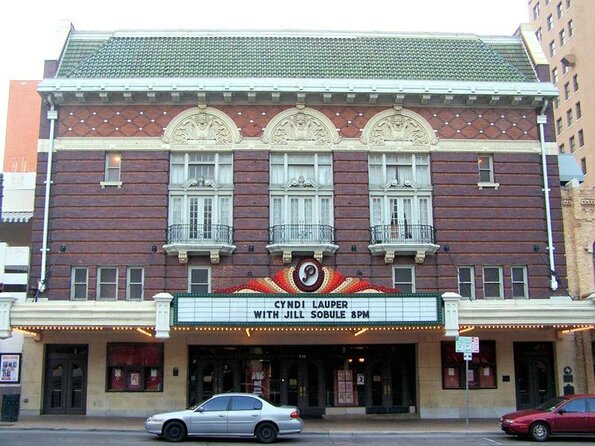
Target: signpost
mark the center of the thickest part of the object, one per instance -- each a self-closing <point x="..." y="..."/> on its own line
<point x="467" y="345"/>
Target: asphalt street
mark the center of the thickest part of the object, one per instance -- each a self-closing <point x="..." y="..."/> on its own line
<point x="52" y="437"/>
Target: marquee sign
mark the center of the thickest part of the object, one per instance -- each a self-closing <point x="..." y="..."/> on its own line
<point x="361" y="309"/>
<point x="307" y="295"/>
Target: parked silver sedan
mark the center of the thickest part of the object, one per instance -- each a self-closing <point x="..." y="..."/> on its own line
<point x="228" y="415"/>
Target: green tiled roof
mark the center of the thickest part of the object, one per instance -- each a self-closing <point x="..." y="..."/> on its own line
<point x="393" y="57"/>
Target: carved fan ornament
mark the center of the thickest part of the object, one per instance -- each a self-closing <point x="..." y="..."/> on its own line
<point x="398" y="126"/>
<point x="284" y="282"/>
<point x="301" y="125"/>
<point x="201" y="124"/>
<point x="200" y="127"/>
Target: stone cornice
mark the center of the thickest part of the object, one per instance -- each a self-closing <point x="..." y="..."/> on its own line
<point x="345" y="145"/>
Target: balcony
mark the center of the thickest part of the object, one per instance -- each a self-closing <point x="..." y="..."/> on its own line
<point x="402" y="239"/>
<point x="199" y="240"/>
<point x="310" y="239"/>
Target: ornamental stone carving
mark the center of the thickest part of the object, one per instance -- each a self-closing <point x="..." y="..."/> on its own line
<point x="398" y="126"/>
<point x="201" y="125"/>
<point x="304" y="124"/>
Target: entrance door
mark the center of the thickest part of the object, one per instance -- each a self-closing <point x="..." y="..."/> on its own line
<point x="534" y="371"/>
<point x="302" y="386"/>
<point x="65" y="390"/>
<point x="211" y="376"/>
<point x="391" y="384"/>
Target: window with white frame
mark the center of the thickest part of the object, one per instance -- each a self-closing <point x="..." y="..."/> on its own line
<point x="562" y="36"/>
<point x="404" y="279"/>
<point x="200" y="197"/>
<point x="520" y="288"/>
<point x="466" y="278"/>
<point x="492" y="282"/>
<point x="486" y="168"/>
<point x="536" y="11"/>
<point x="135" y="280"/>
<point x="107" y="283"/>
<point x="555" y="75"/>
<point x="570" y="28"/>
<point x="79" y="281"/>
<point x="301" y="188"/>
<point x="199" y="280"/>
<point x="550" y="22"/>
<point x="579" y="112"/>
<point x="400" y="195"/>
<point x="113" y="164"/>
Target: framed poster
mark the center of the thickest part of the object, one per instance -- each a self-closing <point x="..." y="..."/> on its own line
<point x="10" y="367"/>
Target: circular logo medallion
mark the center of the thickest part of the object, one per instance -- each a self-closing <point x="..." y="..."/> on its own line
<point x="308" y="275"/>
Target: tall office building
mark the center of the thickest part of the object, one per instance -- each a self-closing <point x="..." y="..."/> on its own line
<point x="564" y="29"/>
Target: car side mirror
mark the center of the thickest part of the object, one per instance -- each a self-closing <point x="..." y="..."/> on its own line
<point x="199" y="409"/>
<point x="562" y="411"/>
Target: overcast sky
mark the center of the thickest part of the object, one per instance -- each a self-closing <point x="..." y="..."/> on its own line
<point x="27" y="29"/>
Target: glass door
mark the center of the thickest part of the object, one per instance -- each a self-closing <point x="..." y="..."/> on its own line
<point x="65" y="390"/>
<point x="302" y="386"/>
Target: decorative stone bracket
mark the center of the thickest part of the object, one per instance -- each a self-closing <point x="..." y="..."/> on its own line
<point x="6" y="301"/>
<point x="162" y="314"/>
<point x="451" y="313"/>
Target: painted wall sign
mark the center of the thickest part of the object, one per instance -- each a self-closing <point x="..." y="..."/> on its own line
<point x="307" y="309"/>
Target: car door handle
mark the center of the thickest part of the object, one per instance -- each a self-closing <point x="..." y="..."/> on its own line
<point x="221" y="416"/>
<point x="254" y="415"/>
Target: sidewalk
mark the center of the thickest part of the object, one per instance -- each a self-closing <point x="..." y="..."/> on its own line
<point x="379" y="424"/>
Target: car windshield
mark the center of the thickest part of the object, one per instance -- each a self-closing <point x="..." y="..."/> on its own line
<point x="550" y="405"/>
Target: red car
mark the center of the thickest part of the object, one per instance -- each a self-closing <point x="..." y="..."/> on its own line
<point x="568" y="414"/>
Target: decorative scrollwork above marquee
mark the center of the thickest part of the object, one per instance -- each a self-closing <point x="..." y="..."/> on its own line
<point x="201" y="125"/>
<point x="303" y="125"/>
<point x="398" y="125"/>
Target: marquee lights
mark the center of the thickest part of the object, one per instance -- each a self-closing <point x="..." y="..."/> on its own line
<point x="250" y="330"/>
<point x="26" y="332"/>
<point x="145" y="332"/>
<point x="584" y="328"/>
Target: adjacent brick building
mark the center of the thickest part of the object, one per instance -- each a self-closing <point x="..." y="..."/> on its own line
<point x="328" y="210"/>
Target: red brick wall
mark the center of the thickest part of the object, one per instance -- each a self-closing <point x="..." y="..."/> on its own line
<point x="118" y="227"/>
<point x="103" y="227"/>
<point x="150" y="120"/>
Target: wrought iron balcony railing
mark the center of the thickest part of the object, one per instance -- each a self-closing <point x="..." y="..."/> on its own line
<point x="302" y="233"/>
<point x="199" y="234"/>
<point x="402" y="233"/>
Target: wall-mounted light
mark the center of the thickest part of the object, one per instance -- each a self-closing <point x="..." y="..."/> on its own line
<point x="176" y="371"/>
<point x="62" y="247"/>
<point x="535" y="248"/>
<point x="353" y="248"/>
<point x="154" y="249"/>
<point x="250" y="248"/>
<point x="446" y="248"/>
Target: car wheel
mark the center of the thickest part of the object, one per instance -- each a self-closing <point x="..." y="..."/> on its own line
<point x="266" y="432"/>
<point x="539" y="432"/>
<point x="174" y="431"/>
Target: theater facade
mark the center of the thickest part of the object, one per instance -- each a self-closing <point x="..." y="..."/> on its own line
<point x="311" y="217"/>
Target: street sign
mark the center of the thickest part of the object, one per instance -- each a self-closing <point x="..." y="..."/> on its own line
<point x="475" y="344"/>
<point x="463" y="344"/>
<point x="467" y="356"/>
